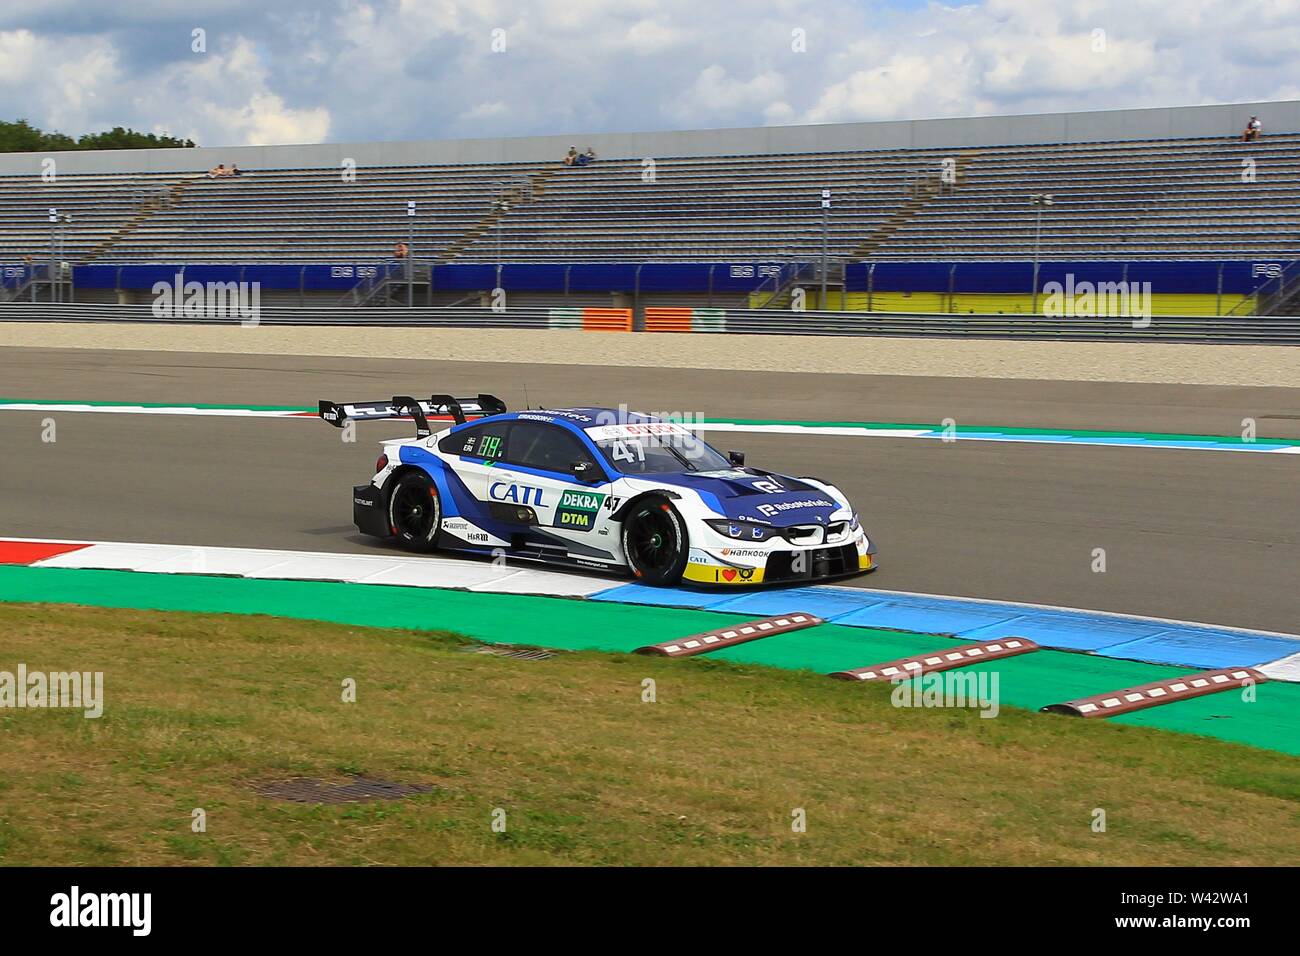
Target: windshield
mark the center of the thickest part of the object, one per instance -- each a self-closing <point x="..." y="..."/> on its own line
<point x="676" y="451"/>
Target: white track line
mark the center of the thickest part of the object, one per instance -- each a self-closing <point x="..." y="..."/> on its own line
<point x="849" y="431"/>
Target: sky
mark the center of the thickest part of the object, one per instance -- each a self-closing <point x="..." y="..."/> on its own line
<point x="241" y="72"/>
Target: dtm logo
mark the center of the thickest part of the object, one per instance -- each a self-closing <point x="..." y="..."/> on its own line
<point x="519" y="494"/>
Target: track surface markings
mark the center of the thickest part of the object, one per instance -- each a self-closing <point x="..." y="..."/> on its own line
<point x="29" y="552"/>
<point x="844" y="429"/>
<point x="1122" y="636"/>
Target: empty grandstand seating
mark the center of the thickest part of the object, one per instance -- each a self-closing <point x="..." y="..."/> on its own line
<point x="1162" y="199"/>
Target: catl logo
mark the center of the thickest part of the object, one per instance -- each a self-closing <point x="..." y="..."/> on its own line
<point x="519" y="494"/>
<point x="577" y="510"/>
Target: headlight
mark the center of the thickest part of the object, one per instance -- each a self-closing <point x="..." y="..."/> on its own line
<point x="741" y="530"/>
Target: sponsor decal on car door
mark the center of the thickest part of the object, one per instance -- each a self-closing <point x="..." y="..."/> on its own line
<point x="578" y="509"/>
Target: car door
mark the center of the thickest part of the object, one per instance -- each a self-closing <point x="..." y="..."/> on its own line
<point x="540" y="459"/>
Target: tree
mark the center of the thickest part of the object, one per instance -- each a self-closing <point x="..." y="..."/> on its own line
<point x="21" y="136"/>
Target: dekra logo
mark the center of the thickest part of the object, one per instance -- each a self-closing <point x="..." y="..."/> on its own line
<point x="588" y="501"/>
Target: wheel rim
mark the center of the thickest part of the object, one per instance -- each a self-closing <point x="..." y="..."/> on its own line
<point x="652" y="539"/>
<point x="415" y="509"/>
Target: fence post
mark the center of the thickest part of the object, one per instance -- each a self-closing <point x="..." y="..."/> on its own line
<point x="1218" y="293"/>
<point x="638" y="320"/>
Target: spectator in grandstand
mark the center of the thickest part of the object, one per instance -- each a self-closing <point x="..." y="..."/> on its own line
<point x="1252" y="130"/>
<point x="218" y="172"/>
<point x="234" y="170"/>
<point x="586" y="159"/>
<point x="400" y="250"/>
<point x="571" y="157"/>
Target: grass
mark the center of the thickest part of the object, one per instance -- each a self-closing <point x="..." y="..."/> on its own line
<point x="201" y="708"/>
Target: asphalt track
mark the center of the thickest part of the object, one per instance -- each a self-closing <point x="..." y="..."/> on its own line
<point x="1211" y="537"/>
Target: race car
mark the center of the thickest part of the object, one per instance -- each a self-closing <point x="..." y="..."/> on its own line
<point x="597" y="488"/>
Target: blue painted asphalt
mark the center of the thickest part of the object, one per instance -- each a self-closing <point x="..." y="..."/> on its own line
<point x="1121" y="636"/>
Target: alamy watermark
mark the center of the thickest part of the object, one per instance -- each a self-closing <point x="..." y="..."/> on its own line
<point x="73" y="690"/>
<point x="1093" y="299"/>
<point x="179" y="299"/>
<point x="75" y="908"/>
<point x="961" y="689"/>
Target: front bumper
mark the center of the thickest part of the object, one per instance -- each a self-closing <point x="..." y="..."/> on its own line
<point x="783" y="567"/>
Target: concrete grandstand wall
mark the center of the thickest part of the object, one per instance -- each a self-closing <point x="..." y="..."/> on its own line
<point x="1083" y="127"/>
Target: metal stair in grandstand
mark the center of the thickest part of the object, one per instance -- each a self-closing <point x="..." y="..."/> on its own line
<point x="23" y="289"/>
<point x="149" y="201"/>
<point x="507" y="197"/>
<point x="1280" y="295"/>
<point x="392" y="283"/>
<point x="44" y="282"/>
<point x="778" y="290"/>
<point x="921" y="190"/>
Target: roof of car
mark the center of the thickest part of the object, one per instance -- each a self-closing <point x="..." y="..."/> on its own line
<point x="575" y="418"/>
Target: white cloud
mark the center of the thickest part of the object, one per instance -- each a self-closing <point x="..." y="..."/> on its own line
<point x="61" y="80"/>
<point x="650" y="36"/>
<point x="715" y="95"/>
<point x="485" y="110"/>
<point x="303" y="70"/>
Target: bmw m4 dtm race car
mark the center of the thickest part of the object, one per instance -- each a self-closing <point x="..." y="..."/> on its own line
<point x="597" y="488"/>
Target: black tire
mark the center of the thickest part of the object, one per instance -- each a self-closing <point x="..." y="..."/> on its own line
<point x="415" y="512"/>
<point x="655" y="543"/>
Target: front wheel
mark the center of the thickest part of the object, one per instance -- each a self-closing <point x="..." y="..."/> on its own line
<point x="415" y="512"/>
<point x="654" y="542"/>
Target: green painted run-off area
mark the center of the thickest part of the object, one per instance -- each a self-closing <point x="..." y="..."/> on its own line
<point x="1030" y="681"/>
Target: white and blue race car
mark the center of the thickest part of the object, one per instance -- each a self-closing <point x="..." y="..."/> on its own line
<point x="597" y="488"/>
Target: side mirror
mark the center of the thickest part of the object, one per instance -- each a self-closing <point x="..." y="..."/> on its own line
<point x="584" y="471"/>
<point x="737" y="458"/>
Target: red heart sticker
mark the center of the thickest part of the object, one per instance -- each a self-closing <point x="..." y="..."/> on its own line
<point x="729" y="574"/>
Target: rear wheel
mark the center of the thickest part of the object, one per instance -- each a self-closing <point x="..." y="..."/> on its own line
<point x="654" y="541"/>
<point x="415" y="512"/>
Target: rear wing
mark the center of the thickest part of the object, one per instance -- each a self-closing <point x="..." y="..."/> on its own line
<point x="403" y="406"/>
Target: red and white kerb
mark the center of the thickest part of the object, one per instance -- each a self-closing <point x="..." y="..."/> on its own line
<point x="1159" y="692"/>
<point x="730" y="636"/>
<point x="915" y="666"/>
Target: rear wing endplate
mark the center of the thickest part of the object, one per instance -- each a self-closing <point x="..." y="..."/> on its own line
<point x="403" y="406"/>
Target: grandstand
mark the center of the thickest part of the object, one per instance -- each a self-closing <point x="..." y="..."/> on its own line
<point x="1176" y="199"/>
